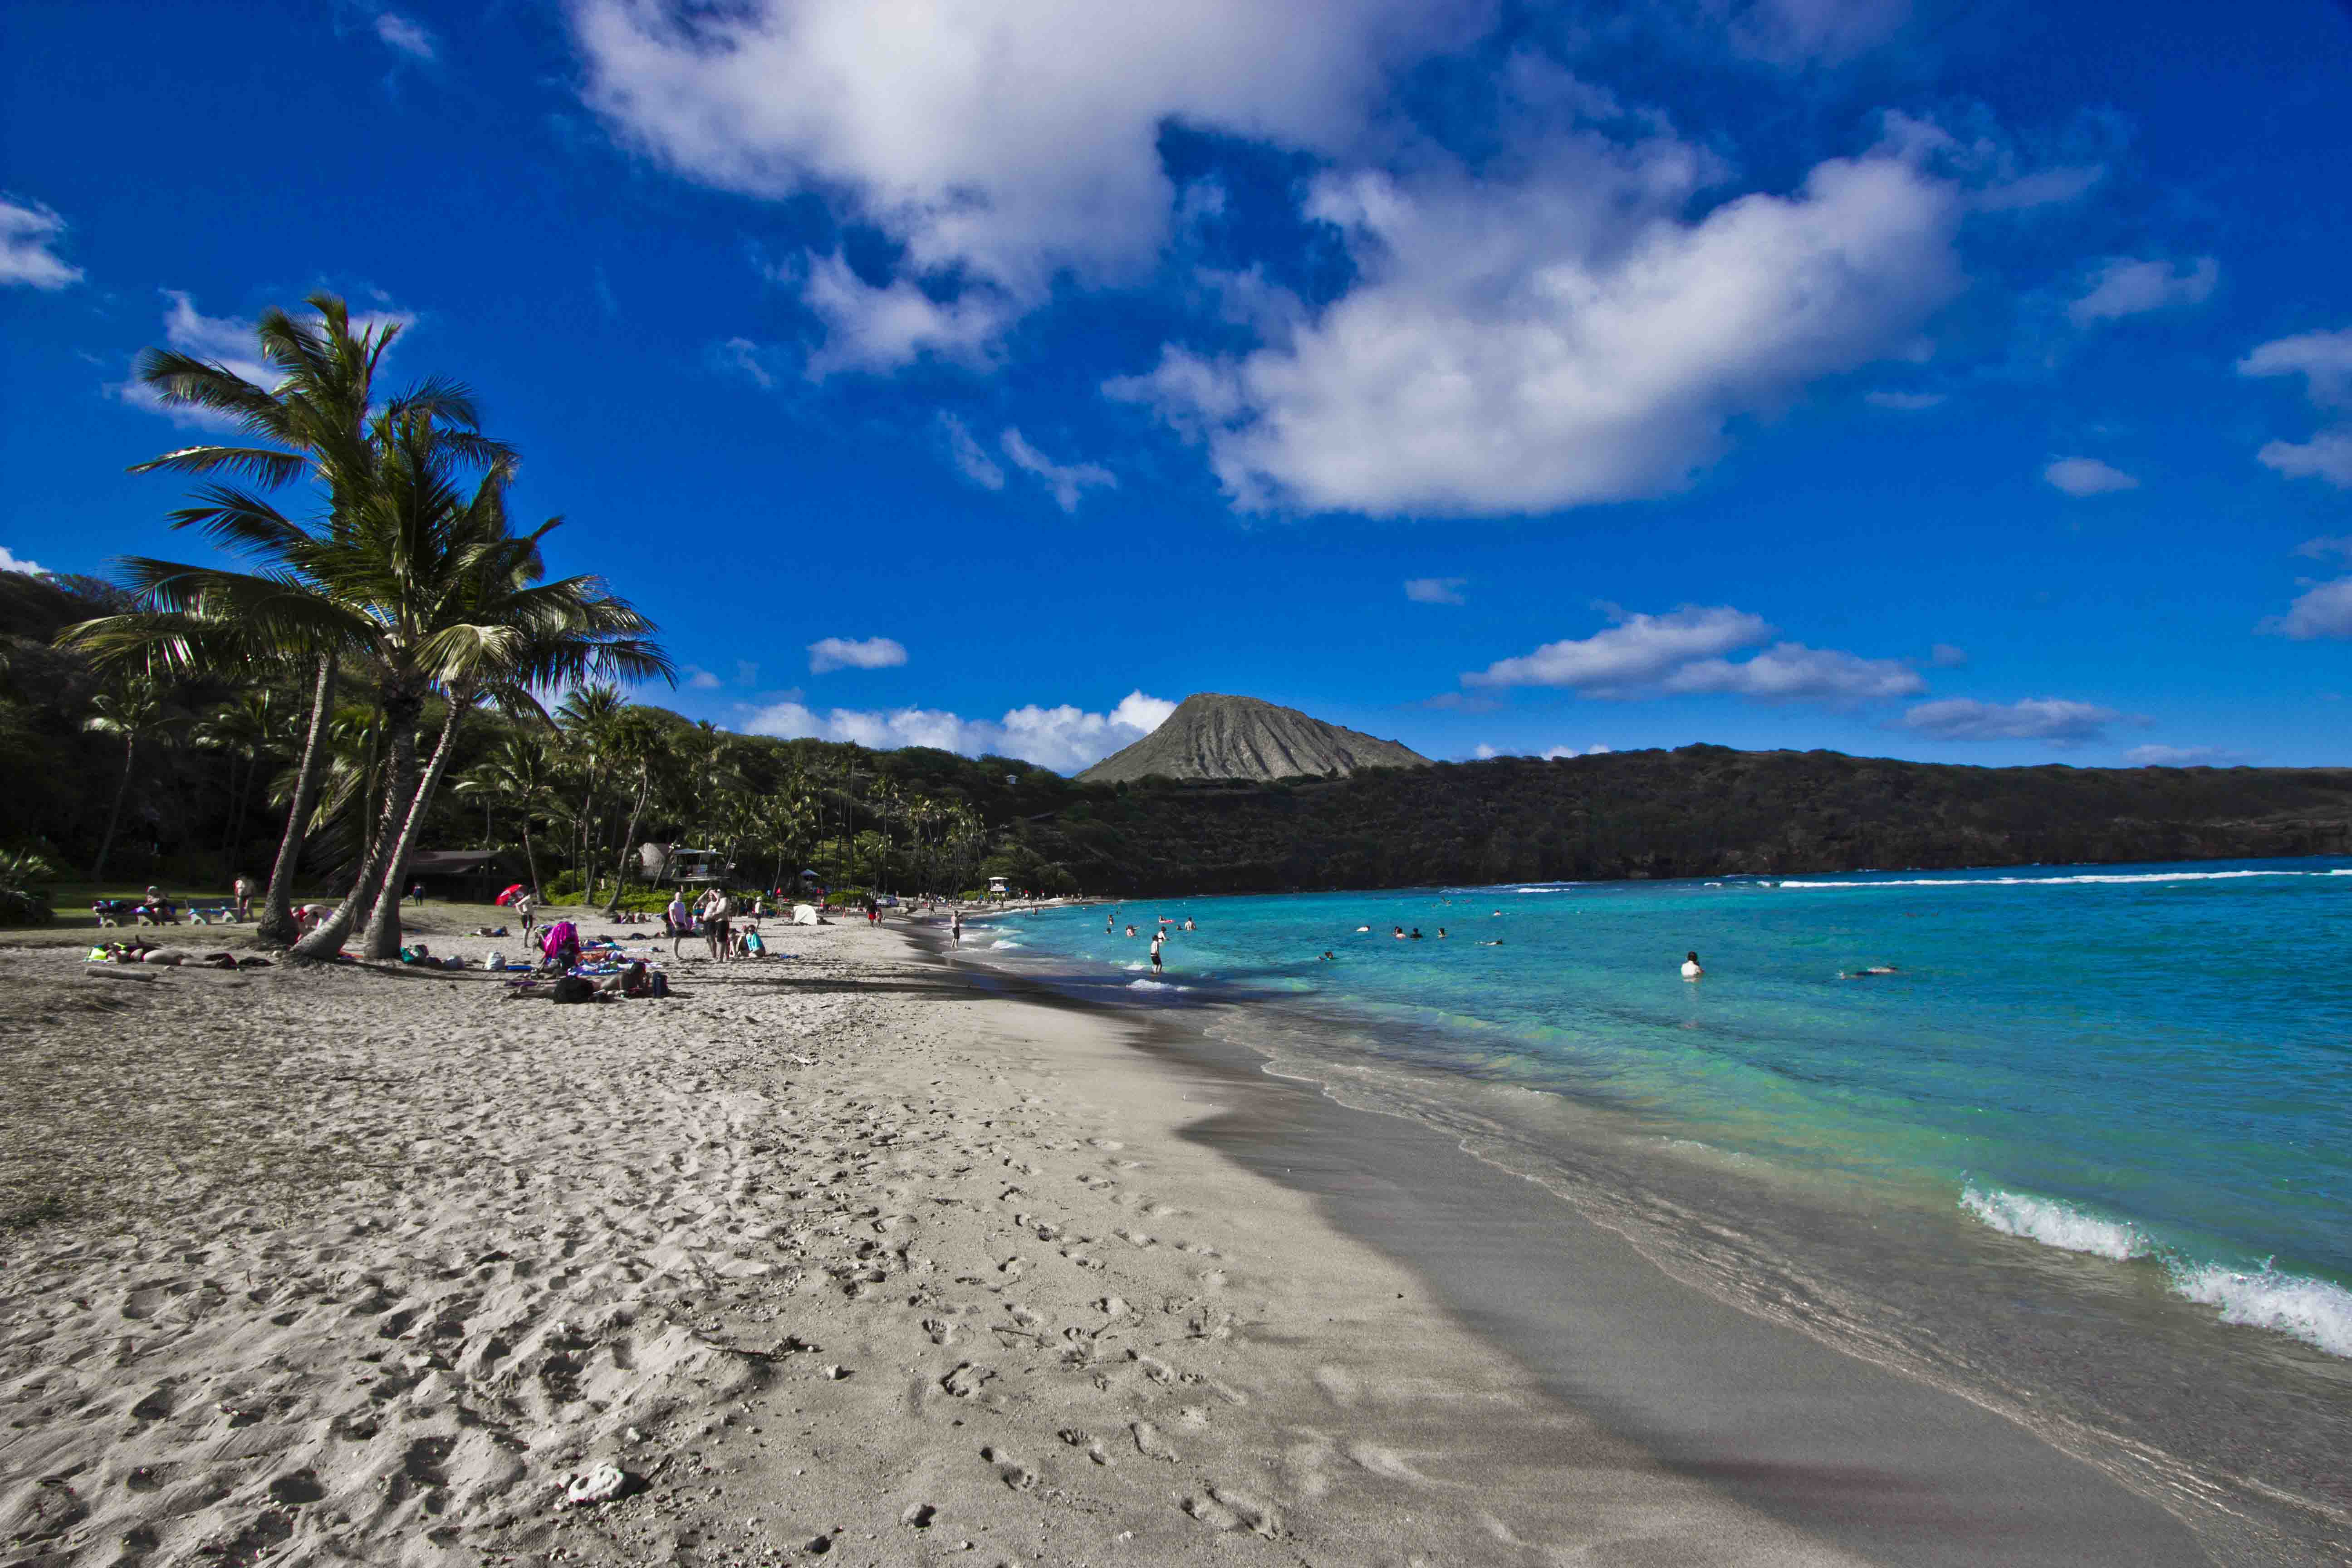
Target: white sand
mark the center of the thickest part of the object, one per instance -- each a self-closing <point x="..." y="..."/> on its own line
<point x="832" y="1255"/>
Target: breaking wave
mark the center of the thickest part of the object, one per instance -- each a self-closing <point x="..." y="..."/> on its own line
<point x="2055" y="1224"/>
<point x="2086" y="877"/>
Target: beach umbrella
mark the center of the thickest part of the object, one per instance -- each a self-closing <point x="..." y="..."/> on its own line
<point x="509" y="893"/>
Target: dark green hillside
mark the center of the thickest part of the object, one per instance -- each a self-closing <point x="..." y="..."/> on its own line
<point x="1699" y="811"/>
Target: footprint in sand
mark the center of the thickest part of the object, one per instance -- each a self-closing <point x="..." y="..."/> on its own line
<point x="1223" y="1508"/>
<point x="1150" y="1443"/>
<point x="1137" y="1237"/>
<point x="1153" y="1367"/>
<point x="967" y="1380"/>
<point x="1010" y="1470"/>
<point x="1077" y="1438"/>
<point x="1390" y="1463"/>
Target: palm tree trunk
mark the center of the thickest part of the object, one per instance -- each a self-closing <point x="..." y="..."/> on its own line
<point x="114" y="817"/>
<point x="621" y="862"/>
<point x="278" y="911"/>
<point x="382" y="938"/>
<point x="531" y="856"/>
<point x="400" y="781"/>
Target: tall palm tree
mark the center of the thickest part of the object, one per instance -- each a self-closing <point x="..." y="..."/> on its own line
<point x="426" y="590"/>
<point x="132" y="709"/>
<point x="320" y="422"/>
<point x="586" y="718"/>
<point x="242" y="730"/>
<point x="517" y="776"/>
<point x="639" y="749"/>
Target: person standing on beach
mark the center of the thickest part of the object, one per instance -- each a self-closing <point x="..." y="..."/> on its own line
<point x="243" y="889"/>
<point x="1157" y="939"/>
<point x="717" y="924"/>
<point x="955" y="927"/>
<point x="527" y="912"/>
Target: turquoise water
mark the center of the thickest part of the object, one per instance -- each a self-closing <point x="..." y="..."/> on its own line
<point x="2135" y="1063"/>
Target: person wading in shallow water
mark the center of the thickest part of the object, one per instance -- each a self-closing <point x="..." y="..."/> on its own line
<point x="1159" y="940"/>
<point x="1691" y="971"/>
<point x="955" y="927"/>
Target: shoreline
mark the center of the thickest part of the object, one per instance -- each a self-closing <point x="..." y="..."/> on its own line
<point x="866" y="1248"/>
<point x="2254" y="1485"/>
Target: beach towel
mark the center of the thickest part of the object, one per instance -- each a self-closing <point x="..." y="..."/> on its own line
<point x="560" y="935"/>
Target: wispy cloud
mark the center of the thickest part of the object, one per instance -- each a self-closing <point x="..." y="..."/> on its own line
<point x="1066" y="737"/>
<point x="2081" y="476"/>
<point x="970" y="460"/>
<point x="11" y="562"/>
<point x="2123" y="286"/>
<point x="405" y="37"/>
<point x="742" y="355"/>
<point x="843" y="653"/>
<point x="701" y="680"/>
<point x="29" y="233"/>
<point x="2324" y="359"/>
<point x="1682" y="652"/>
<point x="1066" y="482"/>
<point x="2056" y="721"/>
<point x="1907" y="402"/>
<point x="1435" y="589"/>
<point x="2323" y="610"/>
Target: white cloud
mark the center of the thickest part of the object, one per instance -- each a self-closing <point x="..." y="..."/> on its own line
<point x="974" y="464"/>
<point x="1484" y="752"/>
<point x="2324" y="610"/>
<point x="744" y="354"/>
<point x="1791" y="32"/>
<point x="2182" y="757"/>
<point x="1562" y="336"/>
<point x="1065" y="483"/>
<point x="2055" y="720"/>
<point x="2123" y="286"/>
<point x="1945" y="656"/>
<point x="1635" y="653"/>
<point x="701" y="680"/>
<point x="2326" y="545"/>
<point x="408" y="37"/>
<point x="1681" y="652"/>
<point x="2322" y="359"/>
<point x="841" y="653"/>
<point x="2325" y="362"/>
<point x="229" y="342"/>
<point x="1066" y="738"/>
<point x="1908" y="402"/>
<point x="1000" y="142"/>
<point x="2087" y="477"/>
<point x="1435" y="589"/>
<point x="1791" y="672"/>
<point x="29" y="235"/>
<point x="1554" y="754"/>
<point x="11" y="562"/>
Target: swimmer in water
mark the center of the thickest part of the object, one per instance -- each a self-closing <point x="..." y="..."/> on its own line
<point x="1397" y="931"/>
<point x="1131" y="931"/>
<point x="1866" y="974"/>
<point x="1416" y="934"/>
<point x="1496" y="942"/>
<point x="1691" y="971"/>
<point x="1360" y="930"/>
<point x="1441" y="933"/>
<point x="1328" y="956"/>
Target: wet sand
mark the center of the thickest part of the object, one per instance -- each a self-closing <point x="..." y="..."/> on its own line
<point x="868" y="1255"/>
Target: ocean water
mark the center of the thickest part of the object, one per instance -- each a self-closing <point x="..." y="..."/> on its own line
<point x="2086" y="1152"/>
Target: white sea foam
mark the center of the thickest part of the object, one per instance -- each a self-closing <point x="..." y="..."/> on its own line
<point x="2060" y="882"/>
<point x="2054" y="1224"/>
<point x="2312" y="1310"/>
<point x="996" y="944"/>
<point x="1133" y="968"/>
<point x="1154" y="985"/>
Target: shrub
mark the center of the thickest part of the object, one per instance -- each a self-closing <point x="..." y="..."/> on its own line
<point x="24" y="901"/>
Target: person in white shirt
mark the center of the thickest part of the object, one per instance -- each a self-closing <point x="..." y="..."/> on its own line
<point x="1691" y="971"/>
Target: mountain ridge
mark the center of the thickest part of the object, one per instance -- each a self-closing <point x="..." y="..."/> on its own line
<point x="1213" y="735"/>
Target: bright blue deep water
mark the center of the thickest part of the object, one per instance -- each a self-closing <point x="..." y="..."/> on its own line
<point x="2149" y="1062"/>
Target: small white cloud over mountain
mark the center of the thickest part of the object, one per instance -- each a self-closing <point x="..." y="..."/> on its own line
<point x="2082" y="476"/>
<point x="844" y="653"/>
<point x="1683" y="651"/>
<point x="2057" y="721"/>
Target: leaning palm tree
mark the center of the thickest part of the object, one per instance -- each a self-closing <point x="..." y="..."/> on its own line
<point x="133" y="709"/>
<point x="320" y="423"/>
<point x="424" y="591"/>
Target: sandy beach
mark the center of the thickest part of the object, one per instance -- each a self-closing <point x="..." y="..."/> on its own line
<point x="864" y="1253"/>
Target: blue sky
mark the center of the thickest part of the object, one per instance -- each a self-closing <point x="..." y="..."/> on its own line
<point x="1967" y="382"/>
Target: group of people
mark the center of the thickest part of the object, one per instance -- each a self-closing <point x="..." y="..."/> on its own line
<point x="712" y="917"/>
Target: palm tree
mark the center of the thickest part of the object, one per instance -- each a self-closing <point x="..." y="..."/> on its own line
<point x="426" y="590"/>
<point x="132" y="709"/>
<point x="242" y="730"/>
<point x="516" y="776"/>
<point x="320" y="423"/>
<point x="586" y="718"/>
<point x="637" y="746"/>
